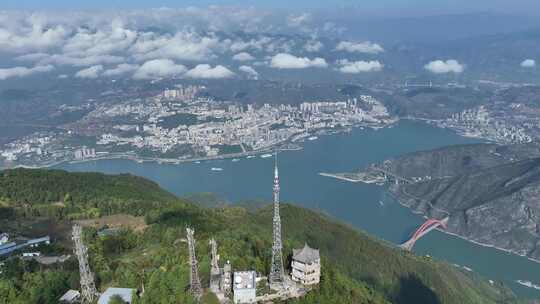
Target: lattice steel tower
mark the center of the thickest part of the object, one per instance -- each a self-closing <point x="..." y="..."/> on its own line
<point x="276" y="276"/>
<point x="194" y="283"/>
<point x="88" y="287"/>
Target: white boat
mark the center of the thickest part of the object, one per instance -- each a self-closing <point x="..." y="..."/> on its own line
<point x="197" y="162"/>
<point x="381" y="203"/>
<point x="312" y="138"/>
<point x="216" y="169"/>
<point x="250" y="156"/>
<point x="266" y="155"/>
<point x="235" y="159"/>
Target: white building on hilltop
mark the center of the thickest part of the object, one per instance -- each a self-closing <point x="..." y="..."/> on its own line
<point x="306" y="265"/>
<point x="245" y="287"/>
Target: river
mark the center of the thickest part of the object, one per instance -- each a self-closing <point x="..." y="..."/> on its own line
<point x="367" y="207"/>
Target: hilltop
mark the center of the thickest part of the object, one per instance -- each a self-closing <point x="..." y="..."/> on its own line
<point x="490" y="192"/>
<point x="356" y="268"/>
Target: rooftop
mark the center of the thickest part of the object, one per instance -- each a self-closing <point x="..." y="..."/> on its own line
<point x="306" y="254"/>
<point x="70" y="296"/>
<point x="244" y="280"/>
<point x="125" y="293"/>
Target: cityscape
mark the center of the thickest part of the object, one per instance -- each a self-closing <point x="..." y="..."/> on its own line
<point x="177" y="125"/>
<point x="269" y="152"/>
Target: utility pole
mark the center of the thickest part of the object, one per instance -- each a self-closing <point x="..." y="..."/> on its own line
<point x="195" y="283"/>
<point x="88" y="287"/>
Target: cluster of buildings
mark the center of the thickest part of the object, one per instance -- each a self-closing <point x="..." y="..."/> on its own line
<point x="208" y="126"/>
<point x="181" y="92"/>
<point x="479" y="122"/>
<point x="179" y="123"/>
<point x="84" y="153"/>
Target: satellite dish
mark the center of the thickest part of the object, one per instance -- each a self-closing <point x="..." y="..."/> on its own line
<point x="238" y="280"/>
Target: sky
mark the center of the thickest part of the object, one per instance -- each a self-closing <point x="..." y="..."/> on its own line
<point x="392" y="7"/>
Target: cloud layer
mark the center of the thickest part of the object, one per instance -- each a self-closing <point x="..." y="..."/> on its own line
<point x="528" y="63"/>
<point x="250" y="72"/>
<point x="243" y="56"/>
<point x="92" y="72"/>
<point x="159" y="68"/>
<point x="360" y="47"/>
<point x="288" y="61"/>
<point x="23" y="71"/>
<point x="442" y="67"/>
<point x="356" y="67"/>
<point x="205" y="71"/>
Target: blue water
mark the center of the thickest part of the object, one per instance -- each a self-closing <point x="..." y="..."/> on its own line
<point x="367" y="207"/>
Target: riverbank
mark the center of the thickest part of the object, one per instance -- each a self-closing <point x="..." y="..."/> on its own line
<point x="354" y="203"/>
<point x="340" y="176"/>
<point x="288" y="144"/>
<point x="464" y="237"/>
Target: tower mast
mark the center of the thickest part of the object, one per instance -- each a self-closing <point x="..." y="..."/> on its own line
<point x="194" y="281"/>
<point x="88" y="287"/>
<point x="276" y="276"/>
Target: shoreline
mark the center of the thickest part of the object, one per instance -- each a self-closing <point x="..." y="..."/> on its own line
<point x="438" y="229"/>
<point x="290" y="144"/>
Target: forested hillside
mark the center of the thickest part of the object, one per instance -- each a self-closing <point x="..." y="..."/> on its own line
<point x="356" y="268"/>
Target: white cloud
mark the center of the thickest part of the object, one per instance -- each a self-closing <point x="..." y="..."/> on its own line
<point x="313" y="46"/>
<point x="121" y="69"/>
<point x="106" y="41"/>
<point x="441" y="67"/>
<point x="288" y="61"/>
<point x="243" y="56"/>
<point x="359" y="47"/>
<point x="249" y="71"/>
<point x="159" y="68"/>
<point x="23" y="71"/>
<point x="61" y="59"/>
<point x="206" y="71"/>
<point x="90" y="73"/>
<point x="32" y="57"/>
<point x="184" y="45"/>
<point x="355" y="67"/>
<point x="256" y="44"/>
<point x="31" y="39"/>
<point x="528" y="63"/>
<point x="298" y="20"/>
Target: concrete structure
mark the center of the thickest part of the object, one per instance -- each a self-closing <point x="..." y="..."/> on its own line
<point x="306" y="265"/>
<point x="245" y="287"/>
<point x="71" y="296"/>
<point x="226" y="279"/>
<point x="125" y="293"/>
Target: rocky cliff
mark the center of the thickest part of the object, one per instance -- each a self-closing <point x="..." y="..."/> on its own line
<point x="490" y="193"/>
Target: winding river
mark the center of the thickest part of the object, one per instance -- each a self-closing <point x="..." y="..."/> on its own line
<point x="367" y="207"/>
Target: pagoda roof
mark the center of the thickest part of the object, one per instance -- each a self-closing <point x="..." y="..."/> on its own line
<point x="306" y="254"/>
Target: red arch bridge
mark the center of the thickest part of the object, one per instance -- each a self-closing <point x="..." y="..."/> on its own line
<point x="426" y="227"/>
